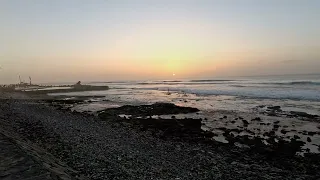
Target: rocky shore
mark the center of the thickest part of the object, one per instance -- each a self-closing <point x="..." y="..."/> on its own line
<point x="115" y="145"/>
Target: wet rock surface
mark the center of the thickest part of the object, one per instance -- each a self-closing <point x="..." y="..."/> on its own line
<point x="148" y="110"/>
<point x="277" y="111"/>
<point x="246" y="132"/>
<point x="141" y="117"/>
<point x="190" y="129"/>
<point x="303" y="114"/>
<point x="275" y="108"/>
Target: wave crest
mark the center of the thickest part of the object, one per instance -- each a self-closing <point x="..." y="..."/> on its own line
<point x="295" y="83"/>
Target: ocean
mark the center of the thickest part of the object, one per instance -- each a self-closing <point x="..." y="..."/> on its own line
<point x="291" y="92"/>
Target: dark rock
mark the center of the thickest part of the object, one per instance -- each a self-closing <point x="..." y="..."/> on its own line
<point x="256" y="119"/>
<point x="272" y="113"/>
<point x="222" y="128"/>
<point x="289" y="148"/>
<point x="233" y="122"/>
<point x="147" y="110"/>
<point x="308" y="150"/>
<point x="308" y="139"/>
<point x="240" y="117"/>
<point x="250" y="132"/>
<point x="224" y="117"/>
<point x="270" y="134"/>
<point x="236" y="130"/>
<point x="302" y="114"/>
<point x="283" y="131"/>
<point x="276" y="122"/>
<point x="173" y="117"/>
<point x="275" y="108"/>
<point x="187" y="129"/>
<point x="296" y="137"/>
<point x="245" y="122"/>
<point x="276" y="126"/>
<point x="311" y="133"/>
<point x="208" y="134"/>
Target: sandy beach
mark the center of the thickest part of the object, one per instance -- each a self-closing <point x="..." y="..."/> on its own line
<point x="71" y="145"/>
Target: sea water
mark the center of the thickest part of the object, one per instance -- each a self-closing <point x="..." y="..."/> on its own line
<point x="291" y="92"/>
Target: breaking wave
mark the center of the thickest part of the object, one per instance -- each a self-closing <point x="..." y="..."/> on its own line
<point x="294" y="83"/>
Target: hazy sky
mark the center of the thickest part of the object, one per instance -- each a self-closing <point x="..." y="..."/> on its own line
<point x="66" y="40"/>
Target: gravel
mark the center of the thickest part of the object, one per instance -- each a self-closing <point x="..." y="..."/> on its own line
<point x="102" y="150"/>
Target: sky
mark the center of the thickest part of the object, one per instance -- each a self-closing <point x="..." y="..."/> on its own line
<point x="111" y="40"/>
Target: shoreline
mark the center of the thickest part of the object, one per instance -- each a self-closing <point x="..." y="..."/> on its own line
<point x="266" y="124"/>
<point x="100" y="149"/>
